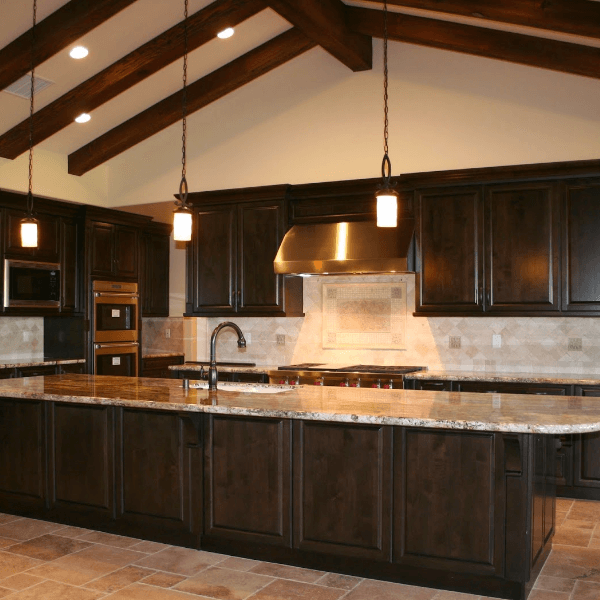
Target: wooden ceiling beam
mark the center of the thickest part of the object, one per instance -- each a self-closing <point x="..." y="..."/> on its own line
<point x="57" y="31"/>
<point x="146" y="60"/>
<point x="490" y="43"/>
<point x="202" y="92"/>
<point x="579" y="17"/>
<point x="324" y="21"/>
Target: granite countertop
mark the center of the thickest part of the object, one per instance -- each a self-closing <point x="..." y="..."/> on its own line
<point x="162" y="354"/>
<point x="11" y="363"/>
<point x="262" y="369"/>
<point x="447" y="410"/>
<point x="556" y="378"/>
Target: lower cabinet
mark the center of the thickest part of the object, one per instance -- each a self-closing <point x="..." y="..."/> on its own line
<point x="158" y="366"/>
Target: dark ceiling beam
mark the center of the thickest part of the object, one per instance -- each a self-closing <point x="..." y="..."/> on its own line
<point x="579" y="17"/>
<point x="146" y="60"/>
<point x="57" y="31"/>
<point x="202" y="92"/>
<point x="480" y="41"/>
<point x="324" y="21"/>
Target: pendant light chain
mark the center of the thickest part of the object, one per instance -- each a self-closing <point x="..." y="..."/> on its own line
<point x="30" y="194"/>
<point x="386" y="166"/>
<point x="183" y="188"/>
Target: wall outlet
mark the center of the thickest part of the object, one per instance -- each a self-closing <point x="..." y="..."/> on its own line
<point x="281" y="339"/>
<point x="27" y="336"/>
<point x="454" y="341"/>
<point x="167" y="333"/>
<point x="575" y="344"/>
<point x="496" y="341"/>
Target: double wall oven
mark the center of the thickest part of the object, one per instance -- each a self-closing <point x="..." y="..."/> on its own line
<point x="115" y="327"/>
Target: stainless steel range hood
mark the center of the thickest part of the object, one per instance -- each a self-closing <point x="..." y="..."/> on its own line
<point x="344" y="248"/>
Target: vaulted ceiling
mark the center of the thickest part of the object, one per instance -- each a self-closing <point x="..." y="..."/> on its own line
<point x="131" y="81"/>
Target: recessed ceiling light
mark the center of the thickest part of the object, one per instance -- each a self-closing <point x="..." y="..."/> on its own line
<point x="78" y="52"/>
<point x="83" y="118"/>
<point x="226" y="33"/>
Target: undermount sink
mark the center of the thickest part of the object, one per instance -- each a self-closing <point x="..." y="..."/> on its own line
<point x="246" y="388"/>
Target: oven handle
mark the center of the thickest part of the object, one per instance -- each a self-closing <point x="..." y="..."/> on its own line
<point x="118" y="295"/>
<point x="116" y="345"/>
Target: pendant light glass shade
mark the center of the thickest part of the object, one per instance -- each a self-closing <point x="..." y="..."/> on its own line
<point x="182" y="224"/>
<point x="387" y="208"/>
<point x="29" y="233"/>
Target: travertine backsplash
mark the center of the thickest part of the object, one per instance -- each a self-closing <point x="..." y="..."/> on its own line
<point x="528" y="343"/>
<point x="154" y="334"/>
<point x="21" y="338"/>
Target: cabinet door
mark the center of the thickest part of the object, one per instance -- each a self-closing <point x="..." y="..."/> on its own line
<point x="581" y="251"/>
<point x="450" y="250"/>
<point x="126" y="252"/>
<point x="437" y="386"/>
<point x="500" y="387"/>
<point x="48" y="237"/>
<point x="212" y="264"/>
<point x="101" y="240"/>
<point x="522" y="260"/>
<point x="586" y="450"/>
<point x="159" y="475"/>
<point x="342" y="489"/>
<point x="248" y="479"/>
<point x="155" y="299"/>
<point x="22" y="455"/>
<point x="260" y="231"/>
<point x="70" y="267"/>
<point x="81" y="472"/>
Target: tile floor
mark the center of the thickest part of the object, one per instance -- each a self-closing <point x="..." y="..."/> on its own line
<point x="48" y="561"/>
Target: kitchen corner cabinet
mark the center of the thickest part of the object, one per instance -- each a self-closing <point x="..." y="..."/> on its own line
<point x="488" y="249"/>
<point x="230" y="261"/>
<point x="113" y="250"/>
<point x="156" y="249"/>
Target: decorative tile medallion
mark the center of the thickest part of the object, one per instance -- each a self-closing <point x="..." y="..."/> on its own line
<point x="365" y="315"/>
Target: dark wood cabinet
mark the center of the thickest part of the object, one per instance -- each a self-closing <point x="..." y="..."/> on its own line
<point x="35" y="371"/>
<point x="48" y="248"/>
<point x="522" y="247"/>
<point x="342" y="489"/>
<point x="450" y="250"/>
<point x="580" y="249"/>
<point x="425" y="384"/>
<point x="500" y="387"/>
<point x="73" y="368"/>
<point x="230" y="259"/>
<point x="248" y="479"/>
<point x="70" y="266"/>
<point x="113" y="250"/>
<point x="156" y="249"/>
<point x="586" y="455"/>
<point x="158" y="366"/>
<point x="159" y="475"/>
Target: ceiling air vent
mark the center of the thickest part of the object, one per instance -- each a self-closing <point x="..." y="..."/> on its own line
<point x="22" y="87"/>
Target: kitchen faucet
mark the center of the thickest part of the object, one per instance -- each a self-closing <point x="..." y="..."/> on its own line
<point x="212" y="370"/>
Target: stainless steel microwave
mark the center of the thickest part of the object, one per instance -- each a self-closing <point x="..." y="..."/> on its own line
<point x="31" y="284"/>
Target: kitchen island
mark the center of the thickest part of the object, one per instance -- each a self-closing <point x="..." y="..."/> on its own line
<point x="433" y="488"/>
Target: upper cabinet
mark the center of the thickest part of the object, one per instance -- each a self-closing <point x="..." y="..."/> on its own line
<point x="230" y="259"/>
<point x="114" y="251"/>
<point x="156" y="247"/>
<point x="48" y="248"/>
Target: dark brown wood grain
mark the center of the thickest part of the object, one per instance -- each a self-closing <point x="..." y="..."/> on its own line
<point x="127" y="72"/>
<point x="480" y="41"/>
<point x="57" y="31"/>
<point x="202" y="92"/>
<point x="568" y="16"/>
<point x="324" y="21"/>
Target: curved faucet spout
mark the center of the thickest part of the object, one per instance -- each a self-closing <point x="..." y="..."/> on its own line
<point x="212" y="370"/>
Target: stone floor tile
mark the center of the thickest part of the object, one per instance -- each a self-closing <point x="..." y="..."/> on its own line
<point x="4" y="518"/>
<point x="109" y="539"/>
<point x="91" y="563"/>
<point x="554" y="584"/>
<point x="53" y="590"/>
<point x="282" y="589"/>
<point x="239" y="564"/>
<point x="570" y="562"/>
<point x="337" y="580"/>
<point x="384" y="590"/>
<point x="119" y="579"/>
<point x="5" y="542"/>
<point x="447" y="595"/>
<point x="585" y="590"/>
<point x="570" y="535"/>
<point x="139" y="591"/>
<point x="585" y="510"/>
<point x="537" y="594"/>
<point x="5" y="592"/>
<point x="26" y="529"/>
<point x="149" y="547"/>
<point x="224" y="583"/>
<point x="182" y="561"/>
<point x="564" y="503"/>
<point x="571" y="522"/>
<point x="164" y="580"/>
<point x="13" y="564"/>
<point x="48" y="547"/>
<point x="287" y="572"/>
<point x="72" y="532"/>
<point x="20" y="581"/>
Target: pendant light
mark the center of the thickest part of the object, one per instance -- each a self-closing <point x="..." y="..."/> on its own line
<point x="182" y="216"/>
<point x="387" y="198"/>
<point x="29" y="225"/>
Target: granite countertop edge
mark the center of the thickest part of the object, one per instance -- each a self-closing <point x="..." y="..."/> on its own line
<point x="161" y="355"/>
<point x="40" y="363"/>
<point x="557" y="379"/>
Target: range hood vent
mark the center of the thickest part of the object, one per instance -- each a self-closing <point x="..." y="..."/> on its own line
<point x="345" y="248"/>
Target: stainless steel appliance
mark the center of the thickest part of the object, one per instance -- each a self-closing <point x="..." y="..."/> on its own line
<point x="31" y="284"/>
<point x="115" y="328"/>
<point x="373" y="376"/>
